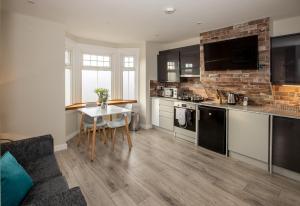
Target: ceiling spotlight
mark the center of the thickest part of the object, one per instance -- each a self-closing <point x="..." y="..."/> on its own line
<point x="170" y="10"/>
<point x="31" y="1"/>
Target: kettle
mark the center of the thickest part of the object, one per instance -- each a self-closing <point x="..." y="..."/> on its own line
<point x="232" y="98"/>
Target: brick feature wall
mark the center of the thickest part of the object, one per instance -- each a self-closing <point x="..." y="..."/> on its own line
<point x="286" y="95"/>
<point x="252" y="83"/>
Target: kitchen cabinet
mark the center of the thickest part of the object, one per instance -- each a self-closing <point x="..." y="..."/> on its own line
<point x="163" y="113"/>
<point x="285" y="57"/>
<point x="181" y="62"/>
<point x="248" y="134"/>
<point x="166" y="114"/>
<point x="190" y="61"/>
<point x="168" y="66"/>
<point x="286" y="143"/>
<point x="155" y="111"/>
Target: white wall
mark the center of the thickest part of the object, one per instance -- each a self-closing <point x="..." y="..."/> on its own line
<point x="183" y="43"/>
<point x="32" y="77"/>
<point x="286" y="26"/>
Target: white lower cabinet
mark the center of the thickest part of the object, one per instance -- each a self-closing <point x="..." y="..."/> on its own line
<point x="248" y="136"/>
<point x="166" y="114"/>
<point x="155" y="111"/>
<point x="162" y="113"/>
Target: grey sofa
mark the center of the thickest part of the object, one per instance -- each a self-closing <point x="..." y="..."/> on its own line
<point x="50" y="188"/>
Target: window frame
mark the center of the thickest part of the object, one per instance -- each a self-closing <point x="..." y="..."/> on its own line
<point x="97" y="68"/>
<point x="134" y="68"/>
<point x="71" y="68"/>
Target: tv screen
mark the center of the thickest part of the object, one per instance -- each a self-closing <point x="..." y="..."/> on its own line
<point x="234" y="54"/>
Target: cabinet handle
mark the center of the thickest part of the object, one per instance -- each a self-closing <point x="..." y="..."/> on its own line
<point x="199" y="115"/>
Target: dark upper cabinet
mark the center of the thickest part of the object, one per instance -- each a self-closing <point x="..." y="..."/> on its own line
<point x="285" y="59"/>
<point x="173" y="63"/>
<point x="286" y="143"/>
<point x="190" y="61"/>
<point x="168" y="66"/>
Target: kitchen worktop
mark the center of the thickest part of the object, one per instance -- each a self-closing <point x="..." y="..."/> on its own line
<point x="110" y="102"/>
<point x="267" y="109"/>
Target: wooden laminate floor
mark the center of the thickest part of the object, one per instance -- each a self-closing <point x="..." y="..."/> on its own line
<point x="163" y="171"/>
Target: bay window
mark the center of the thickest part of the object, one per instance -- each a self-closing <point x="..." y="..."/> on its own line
<point x="96" y="72"/>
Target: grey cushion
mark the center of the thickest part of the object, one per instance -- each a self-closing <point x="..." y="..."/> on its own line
<point x="46" y="189"/>
<point x="43" y="168"/>
<point x="28" y="150"/>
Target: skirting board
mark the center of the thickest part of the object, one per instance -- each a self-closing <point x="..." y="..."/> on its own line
<point x="286" y="173"/>
<point x="60" y="147"/>
<point x="248" y="160"/>
<point x="70" y="136"/>
<point x="146" y="126"/>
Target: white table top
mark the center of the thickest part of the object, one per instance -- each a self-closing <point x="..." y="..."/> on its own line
<point x="98" y="112"/>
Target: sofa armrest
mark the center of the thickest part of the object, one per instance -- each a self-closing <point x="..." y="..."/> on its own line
<point x="30" y="149"/>
<point x="72" y="197"/>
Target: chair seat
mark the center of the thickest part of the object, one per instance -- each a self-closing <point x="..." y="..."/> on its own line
<point x="116" y="123"/>
<point x="98" y="124"/>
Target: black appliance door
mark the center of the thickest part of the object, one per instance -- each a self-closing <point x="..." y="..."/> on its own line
<point x="286" y="143"/>
<point x="212" y="129"/>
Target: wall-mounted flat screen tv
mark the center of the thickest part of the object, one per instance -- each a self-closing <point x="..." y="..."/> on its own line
<point x="234" y="54"/>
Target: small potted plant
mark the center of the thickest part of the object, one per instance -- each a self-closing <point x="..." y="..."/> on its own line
<point x="102" y="94"/>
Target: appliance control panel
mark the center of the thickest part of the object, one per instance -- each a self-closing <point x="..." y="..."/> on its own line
<point x="185" y="105"/>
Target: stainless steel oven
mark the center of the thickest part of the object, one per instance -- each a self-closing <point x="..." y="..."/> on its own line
<point x="185" y="121"/>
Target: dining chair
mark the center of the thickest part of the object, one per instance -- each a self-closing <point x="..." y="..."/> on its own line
<point x="121" y="123"/>
<point x="87" y="124"/>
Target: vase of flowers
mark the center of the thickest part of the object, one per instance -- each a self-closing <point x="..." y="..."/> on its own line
<point x="102" y="94"/>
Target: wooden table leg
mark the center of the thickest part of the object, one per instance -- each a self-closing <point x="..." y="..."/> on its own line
<point x="105" y="136"/>
<point x="127" y="133"/>
<point x="94" y="140"/>
<point x="80" y="130"/>
<point x="110" y="130"/>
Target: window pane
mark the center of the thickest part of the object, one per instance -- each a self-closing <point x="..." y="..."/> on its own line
<point x="86" y="57"/>
<point x="104" y="81"/>
<point x="128" y="62"/>
<point x="96" y="61"/>
<point x="89" y="84"/>
<point x="67" y="57"/>
<point x="68" y="86"/>
<point x="128" y="84"/>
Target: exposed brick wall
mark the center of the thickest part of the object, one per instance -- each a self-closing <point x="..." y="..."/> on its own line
<point x="253" y="83"/>
<point x="287" y="95"/>
<point x="192" y="85"/>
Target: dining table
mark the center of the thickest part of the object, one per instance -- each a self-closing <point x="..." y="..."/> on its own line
<point x="109" y="111"/>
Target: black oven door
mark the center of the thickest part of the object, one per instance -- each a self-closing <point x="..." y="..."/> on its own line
<point x="190" y="118"/>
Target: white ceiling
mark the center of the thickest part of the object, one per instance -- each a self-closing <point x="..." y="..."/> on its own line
<point x="132" y="21"/>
